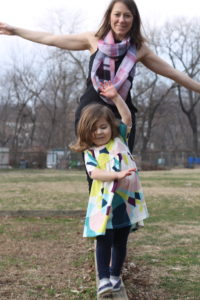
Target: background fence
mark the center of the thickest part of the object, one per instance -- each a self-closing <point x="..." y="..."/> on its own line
<point x="151" y="160"/>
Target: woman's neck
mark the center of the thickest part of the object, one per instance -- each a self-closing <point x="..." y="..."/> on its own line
<point x="117" y="41"/>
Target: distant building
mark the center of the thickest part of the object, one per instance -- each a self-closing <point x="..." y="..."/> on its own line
<point x="4" y="158"/>
<point x="55" y="157"/>
<point x="63" y="159"/>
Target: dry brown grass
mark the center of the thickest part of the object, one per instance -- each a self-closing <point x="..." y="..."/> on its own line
<point x="43" y="259"/>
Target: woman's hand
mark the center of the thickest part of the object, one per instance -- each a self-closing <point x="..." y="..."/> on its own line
<point x="108" y="90"/>
<point x="125" y="173"/>
<point x="6" y="29"/>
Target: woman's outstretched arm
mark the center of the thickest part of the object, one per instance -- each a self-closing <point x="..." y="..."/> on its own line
<point x="161" y="67"/>
<point x="82" y="41"/>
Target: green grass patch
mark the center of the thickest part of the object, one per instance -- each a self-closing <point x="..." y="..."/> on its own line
<point x="180" y="287"/>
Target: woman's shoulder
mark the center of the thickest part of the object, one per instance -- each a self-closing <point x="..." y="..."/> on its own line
<point x="93" y="40"/>
<point x="143" y="51"/>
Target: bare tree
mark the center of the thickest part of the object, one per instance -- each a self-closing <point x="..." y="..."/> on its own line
<point x="64" y="83"/>
<point x="65" y="80"/>
<point x="5" y="111"/>
<point x="44" y="93"/>
<point x="149" y="95"/>
<point x="181" y="42"/>
<point x="19" y="97"/>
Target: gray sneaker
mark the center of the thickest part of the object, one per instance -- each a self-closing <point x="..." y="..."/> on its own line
<point x="117" y="286"/>
<point x="105" y="289"/>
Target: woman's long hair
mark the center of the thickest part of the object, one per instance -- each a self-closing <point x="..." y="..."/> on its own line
<point x="135" y="34"/>
<point x="89" y="116"/>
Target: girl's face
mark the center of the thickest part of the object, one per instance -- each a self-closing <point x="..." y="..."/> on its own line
<point x="101" y="132"/>
<point x="121" y="20"/>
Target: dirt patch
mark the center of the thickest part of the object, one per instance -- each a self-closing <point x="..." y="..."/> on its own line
<point x="44" y="260"/>
<point x="140" y="282"/>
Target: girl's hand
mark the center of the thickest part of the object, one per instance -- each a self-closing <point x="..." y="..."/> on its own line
<point x="125" y="173"/>
<point x="6" y="29"/>
<point x="108" y="90"/>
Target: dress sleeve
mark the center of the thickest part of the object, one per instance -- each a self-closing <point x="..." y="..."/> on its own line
<point x="90" y="161"/>
<point x="124" y="131"/>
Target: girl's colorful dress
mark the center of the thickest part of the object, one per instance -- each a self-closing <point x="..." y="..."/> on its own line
<point x="113" y="204"/>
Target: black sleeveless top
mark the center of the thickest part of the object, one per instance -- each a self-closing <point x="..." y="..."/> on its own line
<point x="91" y="96"/>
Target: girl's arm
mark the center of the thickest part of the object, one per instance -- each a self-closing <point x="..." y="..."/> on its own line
<point x="108" y="90"/>
<point x="159" y="66"/>
<point x="104" y="175"/>
<point x="83" y="41"/>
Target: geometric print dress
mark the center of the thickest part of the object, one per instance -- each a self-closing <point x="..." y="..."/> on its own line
<point x="118" y="203"/>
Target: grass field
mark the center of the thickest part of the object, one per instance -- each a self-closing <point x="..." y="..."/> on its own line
<point x="47" y="258"/>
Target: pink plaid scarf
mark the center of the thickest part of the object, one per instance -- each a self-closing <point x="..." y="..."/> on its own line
<point x="103" y="68"/>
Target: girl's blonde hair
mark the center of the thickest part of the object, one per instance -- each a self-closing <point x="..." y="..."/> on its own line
<point x="89" y="116"/>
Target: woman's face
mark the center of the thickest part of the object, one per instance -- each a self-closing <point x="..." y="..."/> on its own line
<point x="121" y="20"/>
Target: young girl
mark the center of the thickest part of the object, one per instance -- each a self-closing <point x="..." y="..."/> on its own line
<point x="116" y="201"/>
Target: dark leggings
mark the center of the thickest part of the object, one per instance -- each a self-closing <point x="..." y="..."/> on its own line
<point x="111" y="247"/>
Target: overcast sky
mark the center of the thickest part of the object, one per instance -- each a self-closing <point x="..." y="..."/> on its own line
<point x="32" y="13"/>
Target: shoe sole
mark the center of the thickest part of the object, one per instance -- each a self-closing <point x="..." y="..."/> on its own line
<point x="108" y="291"/>
<point x="116" y="290"/>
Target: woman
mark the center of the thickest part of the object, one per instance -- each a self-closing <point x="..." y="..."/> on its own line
<point x="115" y="49"/>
